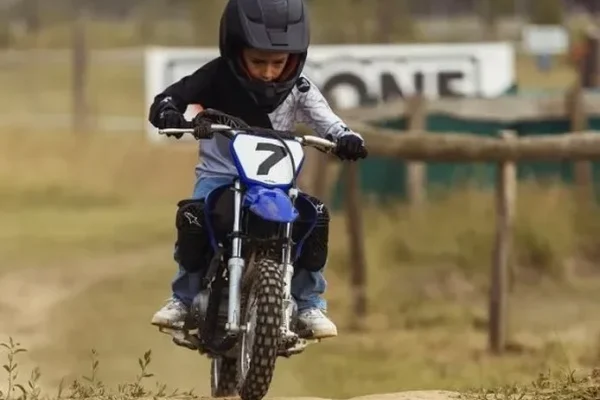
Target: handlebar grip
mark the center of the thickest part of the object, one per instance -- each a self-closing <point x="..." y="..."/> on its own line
<point x="363" y="152"/>
<point x="175" y="131"/>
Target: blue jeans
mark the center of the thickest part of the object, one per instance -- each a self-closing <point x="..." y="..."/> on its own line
<point x="307" y="287"/>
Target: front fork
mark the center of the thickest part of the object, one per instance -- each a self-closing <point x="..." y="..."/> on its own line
<point x="288" y="271"/>
<point x="236" y="266"/>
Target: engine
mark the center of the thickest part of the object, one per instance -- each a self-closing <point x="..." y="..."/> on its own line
<point x="200" y="304"/>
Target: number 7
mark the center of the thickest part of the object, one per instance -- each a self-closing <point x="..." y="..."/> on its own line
<point x="278" y="154"/>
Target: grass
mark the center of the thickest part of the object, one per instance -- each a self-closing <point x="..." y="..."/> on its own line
<point x="113" y="89"/>
<point x="70" y="206"/>
<point x="87" y="194"/>
<point x="547" y="386"/>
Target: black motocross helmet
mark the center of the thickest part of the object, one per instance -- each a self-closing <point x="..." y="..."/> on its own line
<point x="270" y="25"/>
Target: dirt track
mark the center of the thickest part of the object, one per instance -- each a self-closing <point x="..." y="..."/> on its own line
<point x="410" y="395"/>
<point x="30" y="294"/>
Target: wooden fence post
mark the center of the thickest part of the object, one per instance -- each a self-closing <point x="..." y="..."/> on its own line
<point x="321" y="173"/>
<point x="506" y="187"/>
<point x="356" y="250"/>
<point x="80" y="67"/>
<point x="416" y="171"/>
<point x="578" y="120"/>
<point x="305" y="178"/>
<point x="587" y="64"/>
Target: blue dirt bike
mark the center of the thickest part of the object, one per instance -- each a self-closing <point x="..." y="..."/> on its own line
<point x="245" y="315"/>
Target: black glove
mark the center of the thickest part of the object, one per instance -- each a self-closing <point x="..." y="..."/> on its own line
<point x="350" y="147"/>
<point x="201" y="124"/>
<point x="204" y="119"/>
<point x="169" y="117"/>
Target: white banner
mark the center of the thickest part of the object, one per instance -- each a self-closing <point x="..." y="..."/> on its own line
<point x="353" y="75"/>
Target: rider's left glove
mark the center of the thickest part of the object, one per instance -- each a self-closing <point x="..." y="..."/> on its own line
<point x="350" y="146"/>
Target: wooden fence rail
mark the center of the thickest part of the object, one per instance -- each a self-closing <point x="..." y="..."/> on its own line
<point x="506" y="150"/>
<point x="464" y="147"/>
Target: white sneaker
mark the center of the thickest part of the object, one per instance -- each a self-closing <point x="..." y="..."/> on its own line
<point x="172" y="315"/>
<point x="316" y="321"/>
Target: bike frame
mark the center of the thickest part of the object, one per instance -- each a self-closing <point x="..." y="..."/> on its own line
<point x="274" y="202"/>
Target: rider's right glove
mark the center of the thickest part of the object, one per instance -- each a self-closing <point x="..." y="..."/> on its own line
<point x="204" y="119"/>
<point x="202" y="123"/>
<point x="170" y="117"/>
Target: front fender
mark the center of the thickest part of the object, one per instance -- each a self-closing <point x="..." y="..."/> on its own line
<point x="272" y="204"/>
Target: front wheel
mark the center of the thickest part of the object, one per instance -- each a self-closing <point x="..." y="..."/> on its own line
<point x="260" y="343"/>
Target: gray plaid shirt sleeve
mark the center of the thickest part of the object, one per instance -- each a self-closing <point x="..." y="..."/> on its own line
<point x="313" y="109"/>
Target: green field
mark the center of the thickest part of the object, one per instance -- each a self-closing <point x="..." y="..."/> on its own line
<point x="86" y="258"/>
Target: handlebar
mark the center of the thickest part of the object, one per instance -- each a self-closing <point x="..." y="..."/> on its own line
<point x="229" y="132"/>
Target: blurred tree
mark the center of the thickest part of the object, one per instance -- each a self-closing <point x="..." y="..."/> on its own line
<point x="205" y="16"/>
<point x="148" y="13"/>
<point x="4" y="30"/>
<point x="504" y="7"/>
<point x="323" y="28"/>
<point x="80" y="66"/>
<point x="385" y="19"/>
<point x="546" y="12"/>
<point x="360" y="21"/>
<point x="29" y="12"/>
<point x="394" y="21"/>
<point x="490" y="11"/>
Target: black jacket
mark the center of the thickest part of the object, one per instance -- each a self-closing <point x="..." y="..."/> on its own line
<point x="212" y="86"/>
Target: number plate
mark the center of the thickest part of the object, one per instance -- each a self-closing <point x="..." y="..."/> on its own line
<point x="266" y="160"/>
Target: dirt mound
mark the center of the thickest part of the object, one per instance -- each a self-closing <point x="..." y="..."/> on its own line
<point x="412" y="395"/>
<point x="409" y="395"/>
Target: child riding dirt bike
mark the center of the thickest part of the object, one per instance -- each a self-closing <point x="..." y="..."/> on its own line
<point x="257" y="80"/>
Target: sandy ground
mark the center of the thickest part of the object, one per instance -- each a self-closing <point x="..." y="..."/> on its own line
<point x="29" y="295"/>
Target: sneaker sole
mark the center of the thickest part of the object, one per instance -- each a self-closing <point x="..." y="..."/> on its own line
<point x="323" y="334"/>
<point x="166" y="325"/>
